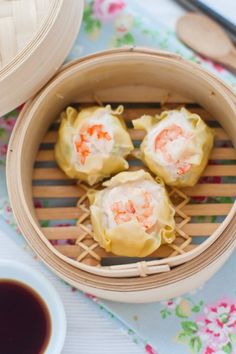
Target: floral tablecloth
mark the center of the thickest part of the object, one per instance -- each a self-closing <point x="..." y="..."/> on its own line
<point x="200" y="322"/>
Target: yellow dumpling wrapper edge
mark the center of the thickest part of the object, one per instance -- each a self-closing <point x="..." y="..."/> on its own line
<point x="203" y="144"/>
<point x="129" y="238"/>
<point x="99" y="167"/>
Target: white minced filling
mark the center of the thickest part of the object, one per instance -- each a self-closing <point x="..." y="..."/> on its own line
<point x="146" y="209"/>
<point x="99" y="148"/>
<point x="178" y="148"/>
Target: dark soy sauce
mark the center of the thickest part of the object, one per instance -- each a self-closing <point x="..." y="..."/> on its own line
<point x="25" y="324"/>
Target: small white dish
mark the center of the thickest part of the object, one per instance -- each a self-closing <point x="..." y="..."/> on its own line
<point x="13" y="270"/>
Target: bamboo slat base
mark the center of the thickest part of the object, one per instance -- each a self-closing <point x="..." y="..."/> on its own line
<point x="64" y="210"/>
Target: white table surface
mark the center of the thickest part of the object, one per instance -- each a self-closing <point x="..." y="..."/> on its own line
<point x="88" y="331"/>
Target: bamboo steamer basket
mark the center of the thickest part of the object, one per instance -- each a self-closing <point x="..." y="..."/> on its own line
<point x="35" y="38"/>
<point x="144" y="81"/>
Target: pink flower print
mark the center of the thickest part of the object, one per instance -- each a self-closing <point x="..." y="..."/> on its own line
<point x="62" y="242"/>
<point x="150" y="349"/>
<point x="123" y="23"/>
<point x="209" y="350"/>
<point x="217" y="67"/>
<point x="200" y="199"/>
<point x="91" y="296"/>
<point x="7" y="123"/>
<point x="7" y="209"/>
<point x="171" y="304"/>
<point x="38" y="204"/>
<point x="211" y="179"/>
<point x="54" y="242"/>
<point x="62" y="225"/>
<point x="20" y="107"/>
<point x="106" y="10"/>
<point x="3" y="150"/>
<point x="217" y="323"/>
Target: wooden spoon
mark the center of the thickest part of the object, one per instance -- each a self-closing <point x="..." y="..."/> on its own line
<point x="206" y="37"/>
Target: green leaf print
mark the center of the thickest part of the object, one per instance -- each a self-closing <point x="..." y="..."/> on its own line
<point x="152" y="33"/>
<point x="138" y="23"/>
<point x="164" y="43"/>
<point x="165" y="313"/>
<point x="232" y="337"/>
<point x="214" y="218"/>
<point x="127" y="39"/>
<point x="130" y="331"/>
<point x="180" y="313"/>
<point x="90" y="23"/>
<point x="224" y="199"/>
<point x="227" y="348"/>
<point x="87" y="13"/>
<point x="13" y="113"/>
<point x="194" y="58"/>
<point x="2" y="132"/>
<point x="195" y="344"/>
<point x="189" y="327"/>
<point x="183" y="337"/>
<point x="196" y="308"/>
<point x="45" y="223"/>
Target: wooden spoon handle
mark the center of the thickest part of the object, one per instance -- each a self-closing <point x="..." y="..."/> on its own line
<point x="229" y="60"/>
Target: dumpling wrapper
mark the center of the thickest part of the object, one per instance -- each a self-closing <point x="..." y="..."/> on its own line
<point x="133" y="215"/>
<point x="92" y="144"/>
<point x="176" y="147"/>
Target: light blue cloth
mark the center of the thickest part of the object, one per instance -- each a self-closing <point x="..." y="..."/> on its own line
<point x="204" y="322"/>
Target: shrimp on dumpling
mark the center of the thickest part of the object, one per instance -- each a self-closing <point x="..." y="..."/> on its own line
<point x="133" y="215"/>
<point x="92" y="143"/>
<point x="176" y="147"/>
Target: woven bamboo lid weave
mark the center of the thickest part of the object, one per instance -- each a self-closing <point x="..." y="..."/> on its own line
<point x="19" y="22"/>
<point x="35" y="38"/>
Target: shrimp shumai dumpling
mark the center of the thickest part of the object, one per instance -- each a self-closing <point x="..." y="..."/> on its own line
<point x="133" y="215"/>
<point x="176" y="147"/>
<point x="93" y="143"/>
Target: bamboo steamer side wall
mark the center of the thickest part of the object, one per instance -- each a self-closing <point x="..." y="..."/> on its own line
<point x="121" y="75"/>
<point x="158" y="293"/>
<point x="137" y="76"/>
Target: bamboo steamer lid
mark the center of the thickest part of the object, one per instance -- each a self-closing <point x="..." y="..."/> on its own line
<point x="116" y="76"/>
<point x="35" y="38"/>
